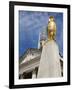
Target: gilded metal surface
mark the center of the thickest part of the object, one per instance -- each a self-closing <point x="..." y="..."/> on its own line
<point x="51" y="28"/>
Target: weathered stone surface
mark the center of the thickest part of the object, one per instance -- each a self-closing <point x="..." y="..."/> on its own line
<point x="49" y="62"/>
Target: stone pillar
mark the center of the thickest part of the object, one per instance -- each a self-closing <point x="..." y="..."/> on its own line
<point x="21" y="76"/>
<point x="49" y="62"/>
<point x="34" y="74"/>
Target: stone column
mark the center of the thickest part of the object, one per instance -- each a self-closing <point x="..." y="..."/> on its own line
<point x="49" y="62"/>
<point x="21" y="76"/>
<point x="34" y="74"/>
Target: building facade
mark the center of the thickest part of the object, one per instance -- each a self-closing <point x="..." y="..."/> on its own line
<point x="29" y="63"/>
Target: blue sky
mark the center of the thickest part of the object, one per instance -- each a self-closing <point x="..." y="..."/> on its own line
<point x="32" y="23"/>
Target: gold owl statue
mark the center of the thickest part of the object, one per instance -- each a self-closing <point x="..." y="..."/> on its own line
<point x="51" y="28"/>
